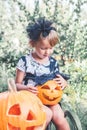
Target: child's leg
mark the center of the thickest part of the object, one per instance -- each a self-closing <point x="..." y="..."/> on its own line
<point x="58" y="118"/>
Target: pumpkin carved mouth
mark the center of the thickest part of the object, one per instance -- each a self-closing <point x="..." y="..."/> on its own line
<point x="49" y="98"/>
<point x="10" y="127"/>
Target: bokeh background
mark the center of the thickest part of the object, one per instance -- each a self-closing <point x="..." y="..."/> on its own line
<point x="70" y="17"/>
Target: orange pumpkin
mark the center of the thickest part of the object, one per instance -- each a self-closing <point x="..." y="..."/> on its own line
<point x="50" y="93"/>
<point x="21" y="110"/>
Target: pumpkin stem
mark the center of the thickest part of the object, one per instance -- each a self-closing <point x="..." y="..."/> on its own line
<point x="11" y="85"/>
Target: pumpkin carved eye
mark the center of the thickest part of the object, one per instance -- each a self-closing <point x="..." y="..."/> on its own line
<point x="31" y="116"/>
<point x="14" y="110"/>
<point x="57" y="88"/>
<point x="45" y="87"/>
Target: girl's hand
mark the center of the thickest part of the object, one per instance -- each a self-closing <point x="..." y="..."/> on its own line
<point x="32" y="89"/>
<point x="61" y="81"/>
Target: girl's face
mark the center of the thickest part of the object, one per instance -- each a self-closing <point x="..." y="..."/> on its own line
<point x="43" y="49"/>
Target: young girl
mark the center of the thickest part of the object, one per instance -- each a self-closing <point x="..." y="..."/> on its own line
<point x="39" y="66"/>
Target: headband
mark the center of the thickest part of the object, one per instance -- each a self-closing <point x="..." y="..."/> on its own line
<point x="41" y="26"/>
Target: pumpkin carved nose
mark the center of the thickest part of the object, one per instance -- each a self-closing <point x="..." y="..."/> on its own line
<point x="52" y="91"/>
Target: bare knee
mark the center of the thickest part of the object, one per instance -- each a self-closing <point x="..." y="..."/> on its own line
<point x="49" y="116"/>
<point x="58" y="118"/>
<point x="58" y="114"/>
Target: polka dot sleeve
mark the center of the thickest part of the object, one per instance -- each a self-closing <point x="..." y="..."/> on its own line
<point x="21" y="64"/>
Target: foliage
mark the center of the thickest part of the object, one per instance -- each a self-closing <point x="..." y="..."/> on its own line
<point x="69" y="17"/>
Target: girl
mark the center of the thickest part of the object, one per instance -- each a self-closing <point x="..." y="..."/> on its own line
<point x="39" y="66"/>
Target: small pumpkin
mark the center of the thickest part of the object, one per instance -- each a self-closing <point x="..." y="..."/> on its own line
<point x="50" y="93"/>
<point x="21" y="110"/>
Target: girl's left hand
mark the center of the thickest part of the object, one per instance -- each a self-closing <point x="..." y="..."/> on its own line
<point x="61" y="81"/>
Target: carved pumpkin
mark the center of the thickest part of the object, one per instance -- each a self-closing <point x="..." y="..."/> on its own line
<point x="50" y="93"/>
<point x="21" y="110"/>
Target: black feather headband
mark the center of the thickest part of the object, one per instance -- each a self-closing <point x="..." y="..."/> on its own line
<point x="41" y="26"/>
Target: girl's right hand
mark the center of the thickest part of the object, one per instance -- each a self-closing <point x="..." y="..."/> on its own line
<point x="33" y="89"/>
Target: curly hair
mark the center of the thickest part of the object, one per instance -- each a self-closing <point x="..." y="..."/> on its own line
<point x="42" y="28"/>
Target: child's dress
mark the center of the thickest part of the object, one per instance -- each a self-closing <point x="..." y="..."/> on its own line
<point x="36" y="73"/>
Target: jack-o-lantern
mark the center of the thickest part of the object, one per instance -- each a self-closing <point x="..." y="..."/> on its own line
<point x="50" y="93"/>
<point x="21" y="110"/>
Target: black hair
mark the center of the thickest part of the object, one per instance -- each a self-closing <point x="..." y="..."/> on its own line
<point x="41" y="26"/>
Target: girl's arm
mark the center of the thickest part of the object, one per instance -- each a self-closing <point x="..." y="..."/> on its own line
<point x="19" y="79"/>
<point x="20" y="86"/>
